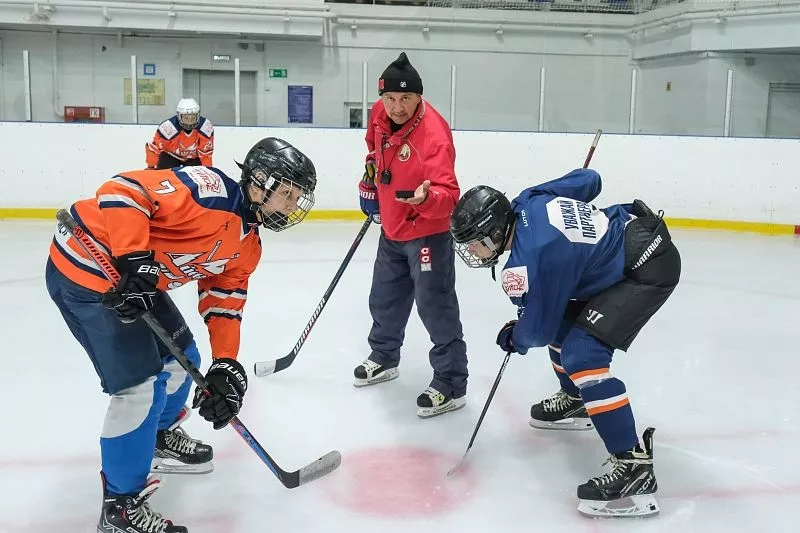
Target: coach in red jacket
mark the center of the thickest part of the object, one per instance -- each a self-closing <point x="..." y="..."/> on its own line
<point x="410" y="187"/>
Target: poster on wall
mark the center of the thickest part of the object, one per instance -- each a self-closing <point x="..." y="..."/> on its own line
<point x="301" y="104"/>
<point x="148" y="91"/>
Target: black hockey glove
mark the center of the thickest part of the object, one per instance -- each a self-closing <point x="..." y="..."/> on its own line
<point x="504" y="337"/>
<point x="136" y="292"/>
<point x="227" y="383"/>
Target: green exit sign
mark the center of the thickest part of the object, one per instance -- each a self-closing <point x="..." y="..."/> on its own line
<point x="278" y="73"/>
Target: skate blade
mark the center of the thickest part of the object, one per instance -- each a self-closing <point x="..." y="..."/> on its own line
<point x="568" y="424"/>
<point x="386" y="375"/>
<point x="453" y="405"/>
<point x="167" y="466"/>
<point x="641" y="506"/>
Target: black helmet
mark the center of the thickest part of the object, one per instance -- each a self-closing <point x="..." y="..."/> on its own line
<point x="483" y="215"/>
<point x="275" y="166"/>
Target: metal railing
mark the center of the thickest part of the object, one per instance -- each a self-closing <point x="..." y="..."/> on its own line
<point x="585" y="6"/>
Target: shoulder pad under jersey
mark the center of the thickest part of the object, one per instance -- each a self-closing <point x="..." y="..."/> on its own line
<point x="168" y="129"/>
<point x="206" y="127"/>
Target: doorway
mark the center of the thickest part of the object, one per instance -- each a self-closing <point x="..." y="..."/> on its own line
<point x="214" y="91"/>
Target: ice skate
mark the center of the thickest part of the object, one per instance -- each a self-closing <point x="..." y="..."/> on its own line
<point x="177" y="453"/>
<point x="371" y="373"/>
<point x="560" y="411"/>
<point x="626" y="491"/>
<point x="432" y="403"/>
<point x="132" y="514"/>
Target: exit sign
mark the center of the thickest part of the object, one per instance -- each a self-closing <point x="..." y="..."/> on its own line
<point x="278" y="73"/>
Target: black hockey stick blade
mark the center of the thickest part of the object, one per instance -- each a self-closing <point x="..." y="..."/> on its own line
<point x="326" y="464"/>
<point x="266" y="368"/>
<point x="483" y="413"/>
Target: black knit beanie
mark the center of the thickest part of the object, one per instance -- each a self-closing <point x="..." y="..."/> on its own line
<point x="400" y="77"/>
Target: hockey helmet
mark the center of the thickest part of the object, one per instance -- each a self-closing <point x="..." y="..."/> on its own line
<point x="484" y="216"/>
<point x="188" y="112"/>
<point x="286" y="177"/>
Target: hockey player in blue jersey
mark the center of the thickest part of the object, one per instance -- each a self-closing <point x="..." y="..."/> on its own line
<point x="585" y="281"/>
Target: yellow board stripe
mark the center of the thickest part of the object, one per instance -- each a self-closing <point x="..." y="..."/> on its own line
<point x="764" y="228"/>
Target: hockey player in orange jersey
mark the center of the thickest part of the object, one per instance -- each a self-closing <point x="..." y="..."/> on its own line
<point x="186" y="138"/>
<point x="163" y="229"/>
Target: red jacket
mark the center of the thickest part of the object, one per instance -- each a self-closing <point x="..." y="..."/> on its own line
<point x="421" y="150"/>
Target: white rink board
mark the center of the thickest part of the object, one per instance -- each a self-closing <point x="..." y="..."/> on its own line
<point x="740" y="179"/>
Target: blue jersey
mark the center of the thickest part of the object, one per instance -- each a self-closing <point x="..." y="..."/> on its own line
<point x="564" y="248"/>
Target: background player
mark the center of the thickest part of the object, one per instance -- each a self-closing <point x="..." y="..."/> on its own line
<point x="163" y="229"/>
<point x="585" y="281"/>
<point x="186" y="138"/>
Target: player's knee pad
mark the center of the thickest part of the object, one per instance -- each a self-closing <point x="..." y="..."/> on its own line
<point x="584" y="358"/>
<point x="130" y="408"/>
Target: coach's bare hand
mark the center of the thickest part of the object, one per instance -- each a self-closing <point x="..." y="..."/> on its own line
<point x="419" y="194"/>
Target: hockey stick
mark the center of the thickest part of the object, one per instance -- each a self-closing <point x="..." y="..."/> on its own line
<point x="265" y="368"/>
<point x="483" y="413"/>
<point x="321" y="467"/>
<point x="592" y="148"/>
<point x="508" y="354"/>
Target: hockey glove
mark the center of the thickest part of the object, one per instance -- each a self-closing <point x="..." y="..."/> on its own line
<point x="136" y="292"/>
<point x="227" y="383"/>
<point x="504" y="337"/>
<point x="368" y="194"/>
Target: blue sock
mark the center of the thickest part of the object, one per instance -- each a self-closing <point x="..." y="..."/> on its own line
<point x="179" y="385"/>
<point x="566" y="384"/>
<point x="587" y="360"/>
<point x="128" y="441"/>
<point x="608" y="407"/>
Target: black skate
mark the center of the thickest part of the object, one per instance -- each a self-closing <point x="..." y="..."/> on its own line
<point x="177" y="453"/>
<point x="625" y="491"/>
<point x="560" y="411"/>
<point x="432" y="403"/>
<point x="371" y="373"/>
<point x="132" y="514"/>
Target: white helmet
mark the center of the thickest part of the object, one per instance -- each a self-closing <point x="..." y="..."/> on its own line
<point x="188" y="112"/>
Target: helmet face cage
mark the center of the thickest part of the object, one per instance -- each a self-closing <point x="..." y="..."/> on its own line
<point x="188" y="112"/>
<point x="188" y="121"/>
<point x="284" y="189"/>
<point x="483" y="217"/>
<point x="472" y="260"/>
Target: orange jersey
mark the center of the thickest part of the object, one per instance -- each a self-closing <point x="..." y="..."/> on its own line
<point x="193" y="219"/>
<point x="172" y="139"/>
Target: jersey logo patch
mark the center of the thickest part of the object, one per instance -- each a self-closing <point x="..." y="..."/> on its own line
<point x="168" y="129"/>
<point x="191" y="266"/>
<point x="209" y="183"/>
<point x="207" y="128"/>
<point x="515" y="281"/>
<point x="578" y="221"/>
<point x="405" y="153"/>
